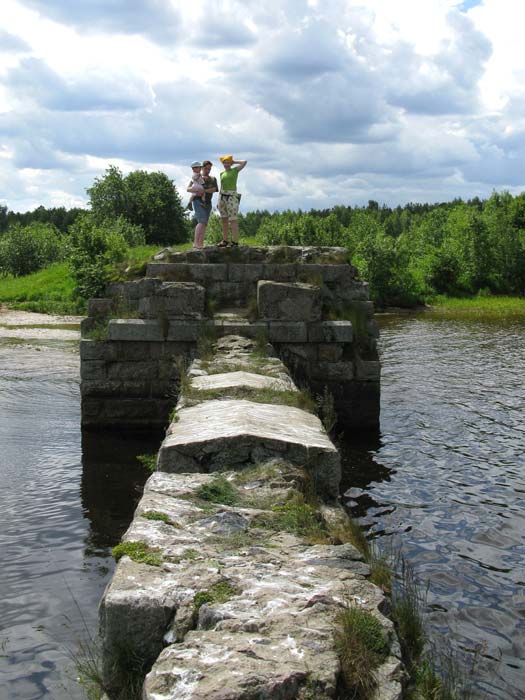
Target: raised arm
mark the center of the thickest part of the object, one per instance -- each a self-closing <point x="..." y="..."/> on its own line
<point x="240" y="164"/>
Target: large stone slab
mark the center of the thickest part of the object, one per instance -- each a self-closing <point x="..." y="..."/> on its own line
<point x="174" y="300"/>
<point x="288" y="302"/>
<point x="232" y="380"/>
<point x="227" y="433"/>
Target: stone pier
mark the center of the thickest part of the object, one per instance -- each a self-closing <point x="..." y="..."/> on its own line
<point x="308" y="302"/>
<point x="237" y="564"/>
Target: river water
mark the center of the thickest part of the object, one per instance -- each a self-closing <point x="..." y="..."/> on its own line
<point x="444" y="479"/>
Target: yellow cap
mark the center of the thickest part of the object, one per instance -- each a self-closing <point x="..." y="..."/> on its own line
<point x="223" y="158"/>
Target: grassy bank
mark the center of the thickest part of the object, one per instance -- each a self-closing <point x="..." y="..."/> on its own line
<point x="482" y="305"/>
<point x="51" y="290"/>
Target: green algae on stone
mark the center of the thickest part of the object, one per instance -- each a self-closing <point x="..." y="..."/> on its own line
<point x="140" y="552"/>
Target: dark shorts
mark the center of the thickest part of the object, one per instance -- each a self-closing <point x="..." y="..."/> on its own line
<point x="200" y="211"/>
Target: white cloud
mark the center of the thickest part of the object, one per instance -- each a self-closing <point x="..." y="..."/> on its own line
<point x="332" y="103"/>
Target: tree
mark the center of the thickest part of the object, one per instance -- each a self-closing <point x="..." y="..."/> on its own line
<point x="149" y="200"/>
<point x="26" y="249"/>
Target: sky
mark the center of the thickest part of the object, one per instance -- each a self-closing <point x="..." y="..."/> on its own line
<point x="331" y="103"/>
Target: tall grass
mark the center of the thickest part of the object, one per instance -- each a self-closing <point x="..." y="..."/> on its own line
<point x="480" y="304"/>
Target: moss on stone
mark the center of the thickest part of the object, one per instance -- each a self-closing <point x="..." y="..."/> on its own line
<point x="139" y="552"/>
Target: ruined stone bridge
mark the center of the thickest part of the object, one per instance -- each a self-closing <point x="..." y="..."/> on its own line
<point x="307" y="302"/>
<point x="234" y="573"/>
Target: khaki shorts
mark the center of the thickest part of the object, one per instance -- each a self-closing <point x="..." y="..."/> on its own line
<point x="228" y="205"/>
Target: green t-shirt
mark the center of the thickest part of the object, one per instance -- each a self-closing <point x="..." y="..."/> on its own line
<point x="229" y="179"/>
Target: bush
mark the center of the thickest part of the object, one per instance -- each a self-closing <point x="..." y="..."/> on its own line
<point x="149" y="200"/>
<point x="27" y="249"/>
<point x="94" y="252"/>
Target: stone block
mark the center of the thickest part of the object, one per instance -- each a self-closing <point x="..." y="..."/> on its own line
<point x="188" y="331"/>
<point x="97" y="350"/>
<point x="366" y="370"/>
<point x="133" y="351"/>
<point x="206" y="273"/>
<point x="287" y="332"/>
<point x="174" y="300"/>
<point x="352" y="291"/>
<point x="286" y="272"/>
<point x="136" y="371"/>
<point x="330" y="332"/>
<point x="243" y="273"/>
<point x="99" y="307"/>
<point x="135" y="329"/>
<point x="288" y="302"/>
<point x="306" y="351"/>
<point x="244" y="328"/>
<point x="232" y="432"/>
<point x="323" y="273"/>
<point x="372" y="328"/>
<point x="335" y="371"/>
<point x="329" y="352"/>
<point x="93" y="369"/>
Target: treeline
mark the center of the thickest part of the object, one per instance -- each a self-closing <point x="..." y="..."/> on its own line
<point x="410" y="254"/>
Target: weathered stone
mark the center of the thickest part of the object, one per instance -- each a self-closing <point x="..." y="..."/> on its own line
<point x="329" y="352"/>
<point x="244" y="273"/>
<point x="174" y="300"/>
<point x="366" y="370"/>
<point x="288" y="302"/>
<point x="287" y="332"/>
<point x="135" y="329"/>
<point x="100" y="307"/>
<point x="93" y="369"/>
<point x="136" y="371"/>
<point x="286" y="272"/>
<point x="341" y="371"/>
<point x="232" y="432"/>
<point x="330" y="332"/>
<point x="184" y="330"/>
<point x="94" y="350"/>
<point x="230" y="380"/>
<point x="244" y="328"/>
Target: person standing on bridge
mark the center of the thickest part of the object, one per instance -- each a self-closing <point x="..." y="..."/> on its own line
<point x="229" y="199"/>
<point x="202" y="207"/>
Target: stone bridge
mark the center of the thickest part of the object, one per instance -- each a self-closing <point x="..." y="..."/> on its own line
<point x="307" y="302"/>
<point x="235" y="575"/>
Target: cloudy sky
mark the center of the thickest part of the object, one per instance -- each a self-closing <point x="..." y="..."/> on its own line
<point x="331" y="101"/>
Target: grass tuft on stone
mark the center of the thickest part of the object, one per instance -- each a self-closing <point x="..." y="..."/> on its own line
<point x="157" y="515"/>
<point x="362" y="646"/>
<point x="140" y="552"/>
<point x="219" y="490"/>
<point x="220" y="592"/>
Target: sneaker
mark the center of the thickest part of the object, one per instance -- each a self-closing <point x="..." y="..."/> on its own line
<point x="234" y="244"/>
<point x="222" y="244"/>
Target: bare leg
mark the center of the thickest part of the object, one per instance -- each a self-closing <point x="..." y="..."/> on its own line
<point x="225" y="223"/>
<point x="235" y="230"/>
<point x="200" y="232"/>
<point x="196" y="236"/>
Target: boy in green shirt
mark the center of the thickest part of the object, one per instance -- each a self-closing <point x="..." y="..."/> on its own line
<point x="229" y="199"/>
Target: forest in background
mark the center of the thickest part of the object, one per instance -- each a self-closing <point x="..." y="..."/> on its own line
<point x="408" y="254"/>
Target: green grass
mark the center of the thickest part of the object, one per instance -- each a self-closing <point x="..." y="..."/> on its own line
<point x="46" y="291"/>
<point x="219" y="490"/>
<point x="51" y="290"/>
<point x="361" y="646"/>
<point x="139" y="552"/>
<point x="484" y="305"/>
<point x="220" y="592"/>
<point x="149" y="461"/>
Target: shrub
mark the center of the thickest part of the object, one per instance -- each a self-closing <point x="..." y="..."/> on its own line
<point x="94" y="252"/>
<point x="27" y="249"/>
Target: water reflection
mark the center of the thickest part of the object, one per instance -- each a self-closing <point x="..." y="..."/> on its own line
<point x="445" y="480"/>
<point x="64" y="502"/>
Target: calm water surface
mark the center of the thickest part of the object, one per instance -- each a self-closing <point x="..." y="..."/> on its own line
<point x="65" y="499"/>
<point x="445" y="480"/>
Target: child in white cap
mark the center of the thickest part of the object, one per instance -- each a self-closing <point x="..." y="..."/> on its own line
<point x="196" y="187"/>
